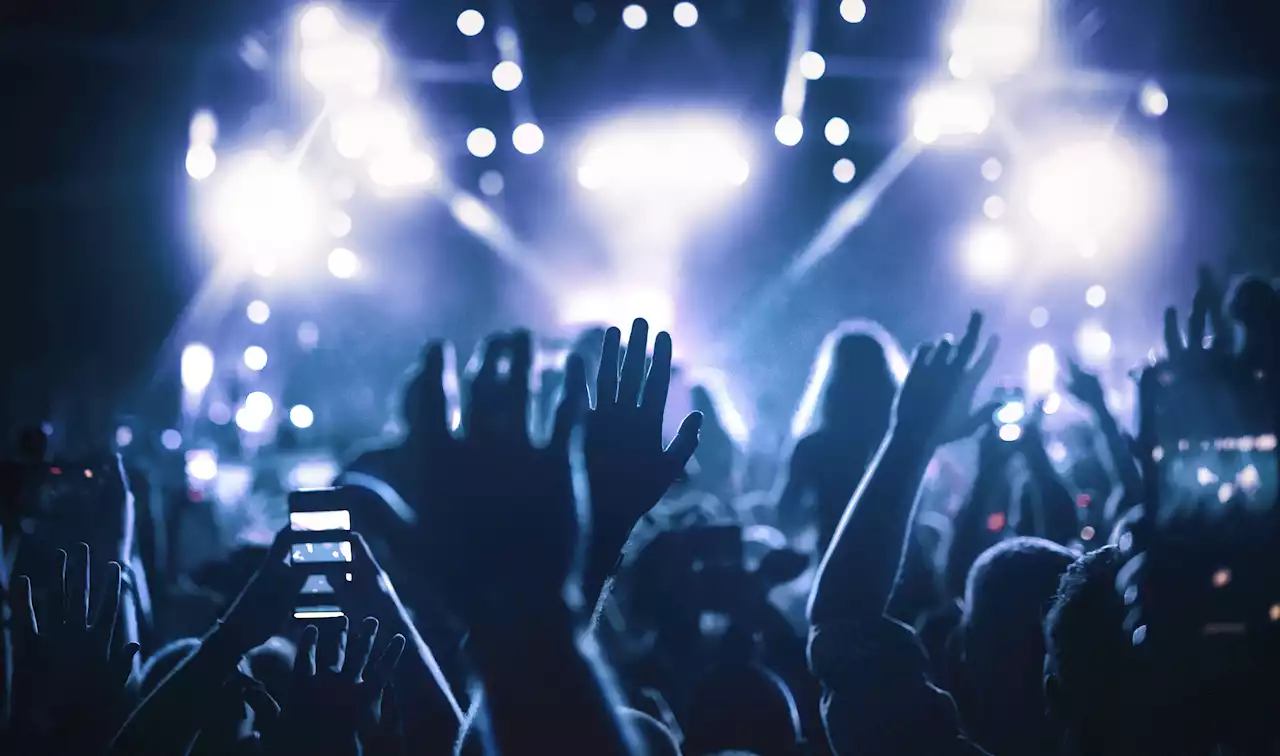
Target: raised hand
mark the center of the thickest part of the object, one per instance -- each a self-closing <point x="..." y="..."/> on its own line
<point x="941" y="381"/>
<point x="69" y="672"/>
<point x="1085" y="386"/>
<point x="261" y="608"/>
<point x="1207" y="309"/>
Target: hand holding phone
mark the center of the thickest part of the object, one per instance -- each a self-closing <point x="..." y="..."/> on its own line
<point x="320" y="523"/>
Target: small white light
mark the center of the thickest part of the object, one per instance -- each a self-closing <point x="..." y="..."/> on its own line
<point x="507" y="75"/>
<point x="343" y="263"/>
<point x="1011" y="413"/>
<point x="634" y="17"/>
<point x="196" y="367"/>
<point x="1042" y="370"/>
<point x="1039" y="317"/>
<point x="308" y="335"/>
<point x="1205" y="476"/>
<point x="491" y="183"/>
<point x="1225" y="492"/>
<point x="203" y="128"/>
<point x="258" y="312"/>
<point x="1095" y="296"/>
<point x="1052" y="403"/>
<point x="844" y="170"/>
<point x="960" y="66"/>
<point x="124" y="436"/>
<point x="317" y="22"/>
<point x="993" y="207"/>
<point x="248" y="421"/>
<point x="837" y="131"/>
<point x="171" y="439"/>
<point x="481" y="142"/>
<point x="990" y="253"/>
<point x="812" y="65"/>
<point x="301" y="416"/>
<point x="1153" y="100"/>
<point x="1093" y="343"/>
<point x="339" y="224"/>
<point x="259" y="403"/>
<point x="470" y="22"/>
<point x="527" y="138"/>
<point x="1248" y="479"/>
<point x="255" y="358"/>
<point x="264" y="266"/>
<point x="788" y="130"/>
<point x="853" y="11"/>
<point x="202" y="464"/>
<point x="402" y="170"/>
<point x="219" y="413"/>
<point x="201" y="161"/>
<point x="991" y="169"/>
<point x="685" y="14"/>
<point x="1010" y="432"/>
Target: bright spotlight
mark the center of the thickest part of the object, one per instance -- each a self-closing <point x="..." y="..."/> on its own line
<point x="844" y="170"/>
<point x="473" y="215"/>
<point x="301" y="416"/>
<point x="491" y="183"/>
<point x="381" y="126"/>
<point x="249" y="422"/>
<point x="950" y="109"/>
<point x="507" y="75"/>
<point x="317" y="23"/>
<point x="1153" y="100"/>
<point x="481" y="142"/>
<point x="201" y="160"/>
<point x="837" y="131"/>
<point x="634" y="17"/>
<point x="171" y="439"/>
<point x="470" y="22"/>
<point x="993" y="207"/>
<point x="343" y="263"/>
<point x="1042" y="370"/>
<point x="853" y="11"/>
<point x="255" y="358"/>
<point x="788" y="130"/>
<point x="998" y="39"/>
<point x="618" y="305"/>
<point x="394" y="171"/>
<point x="202" y="465"/>
<point x="1013" y="412"/>
<point x="124" y="436"/>
<point x="196" y="367"/>
<point x="960" y="66"/>
<point x="342" y="64"/>
<point x="685" y="14"/>
<point x="1039" y="317"/>
<point x="678" y="158"/>
<point x="1052" y="403"/>
<point x="989" y="253"/>
<point x="259" y="404"/>
<point x="204" y="127"/>
<point x="1090" y="190"/>
<point x="527" y="137"/>
<point x="1095" y="296"/>
<point x="339" y="224"/>
<point x="991" y="169"/>
<point x="1093" y="343"/>
<point x="258" y="312"/>
<point x="812" y="65"/>
<point x="262" y="208"/>
<point x="1010" y="433"/>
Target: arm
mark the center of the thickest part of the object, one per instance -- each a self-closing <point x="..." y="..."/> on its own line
<point x="971" y="534"/>
<point x="1086" y="387"/>
<point x="792" y="512"/>
<point x="1057" y="507"/>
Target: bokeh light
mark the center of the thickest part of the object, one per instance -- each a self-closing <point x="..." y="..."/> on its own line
<point x="812" y="65"/>
<point x="507" y="75"/>
<point x="950" y="109"/>
<point x="262" y="207"/>
<point x="1093" y="343"/>
<point x="836" y="131"/>
<point x="202" y="465"/>
<point x="258" y="312"/>
<point x="844" y="170"/>
<point x="171" y="439"/>
<point x="343" y="263"/>
<point x="1091" y="189"/>
<point x="481" y="142"/>
<point x="1042" y="370"/>
<point x="1095" y="296"/>
<point x="470" y="22"/>
<point x="993" y="207"/>
<point x="301" y="416"/>
<point x="527" y="138"/>
<point x="788" y="130"/>
<point x="1039" y="317"/>
<point x="196" y="367"/>
<point x="989" y="253"/>
<point x="1152" y="100"/>
<point x="201" y="161"/>
<point x="255" y="358"/>
<point x="853" y="11"/>
<point x="685" y="14"/>
<point x="991" y="169"/>
<point x="491" y="183"/>
<point x="635" y="16"/>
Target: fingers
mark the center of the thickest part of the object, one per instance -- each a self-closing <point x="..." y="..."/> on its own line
<point x="266" y="710"/>
<point x="633" y="364"/>
<point x="332" y="648"/>
<point x="985" y="360"/>
<point x="78" y="587"/>
<point x="573" y="402"/>
<point x="607" y="376"/>
<point x="969" y="343"/>
<point x="24" y="610"/>
<point x="120" y="667"/>
<point x="658" y="383"/>
<point x="361" y="647"/>
<point x="942" y="354"/>
<point x="386" y="664"/>
<point x="684" y="444"/>
<point x="516" y="391"/>
<point x="304" y="664"/>
<point x="481" y="409"/>
<point x="104" y="619"/>
<point x="61" y="604"/>
<point x="1198" y="320"/>
<point x="434" y="402"/>
<point x="1173" y="345"/>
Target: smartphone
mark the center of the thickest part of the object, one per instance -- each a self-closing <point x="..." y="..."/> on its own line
<point x="320" y="520"/>
<point x="1011" y="414"/>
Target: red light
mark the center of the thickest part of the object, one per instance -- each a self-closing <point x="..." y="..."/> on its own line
<point x="194" y="496"/>
<point x="995" y="522"/>
<point x="1083" y="500"/>
<point x="55" y="470"/>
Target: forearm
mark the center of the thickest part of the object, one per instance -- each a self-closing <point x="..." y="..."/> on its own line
<point x="971" y="536"/>
<point x="1118" y="447"/>
<point x="543" y="692"/>
<point x="1058" y="516"/>
<point x="858" y="572"/>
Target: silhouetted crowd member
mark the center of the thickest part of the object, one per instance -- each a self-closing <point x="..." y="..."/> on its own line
<point x="536" y="568"/>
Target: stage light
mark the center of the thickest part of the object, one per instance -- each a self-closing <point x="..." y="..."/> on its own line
<point x="998" y="38"/>
<point x="380" y="126"/>
<point x="204" y="128"/>
<point x="788" y="130"/>
<point x="301" y="416"/>
<point x="664" y="156"/>
<point x="481" y="142"/>
<point x="491" y="183"/>
<point x="473" y="215"/>
<point x="262" y="209"/>
<point x="1052" y="403"/>
<point x="950" y="109"/>
<point x="317" y="23"/>
<point x="634" y="17"/>
<point x="991" y="169"/>
<point x="308" y="335"/>
<point x="685" y="14"/>
<point x="124" y="436"/>
<point x="258" y="312"/>
<point x="1039" y="317"/>
<point x="201" y="161"/>
<point x="844" y="170"/>
<point x="260" y="404"/>
<point x="312" y="473"/>
<point x="255" y="358"/>
<point x="507" y="75"/>
<point x="401" y="170"/>
<point x="196" y="367"/>
<point x="171" y="439"/>
<point x="470" y="22"/>
<point x="1011" y="412"/>
<point x="989" y="253"/>
<point x="1010" y="432"/>
<point x="836" y="131"/>
<point x="343" y="263"/>
<point x="202" y="465"/>
<point x="622" y="304"/>
<point x="853" y="11"/>
<point x="343" y="64"/>
<point x="1089" y="190"/>
<point x="1042" y="370"/>
<point x="264" y="266"/>
<point x="812" y="65"/>
<point x="993" y="207"/>
<point x="527" y="138"/>
<point x="960" y="66"/>
<point x="1153" y="100"/>
<point x="249" y="422"/>
<point x="1095" y="296"/>
<point x="1093" y="343"/>
<point x="339" y="224"/>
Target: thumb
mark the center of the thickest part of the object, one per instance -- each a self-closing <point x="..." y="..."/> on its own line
<point x="681" y="448"/>
<point x="121" y="665"/>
